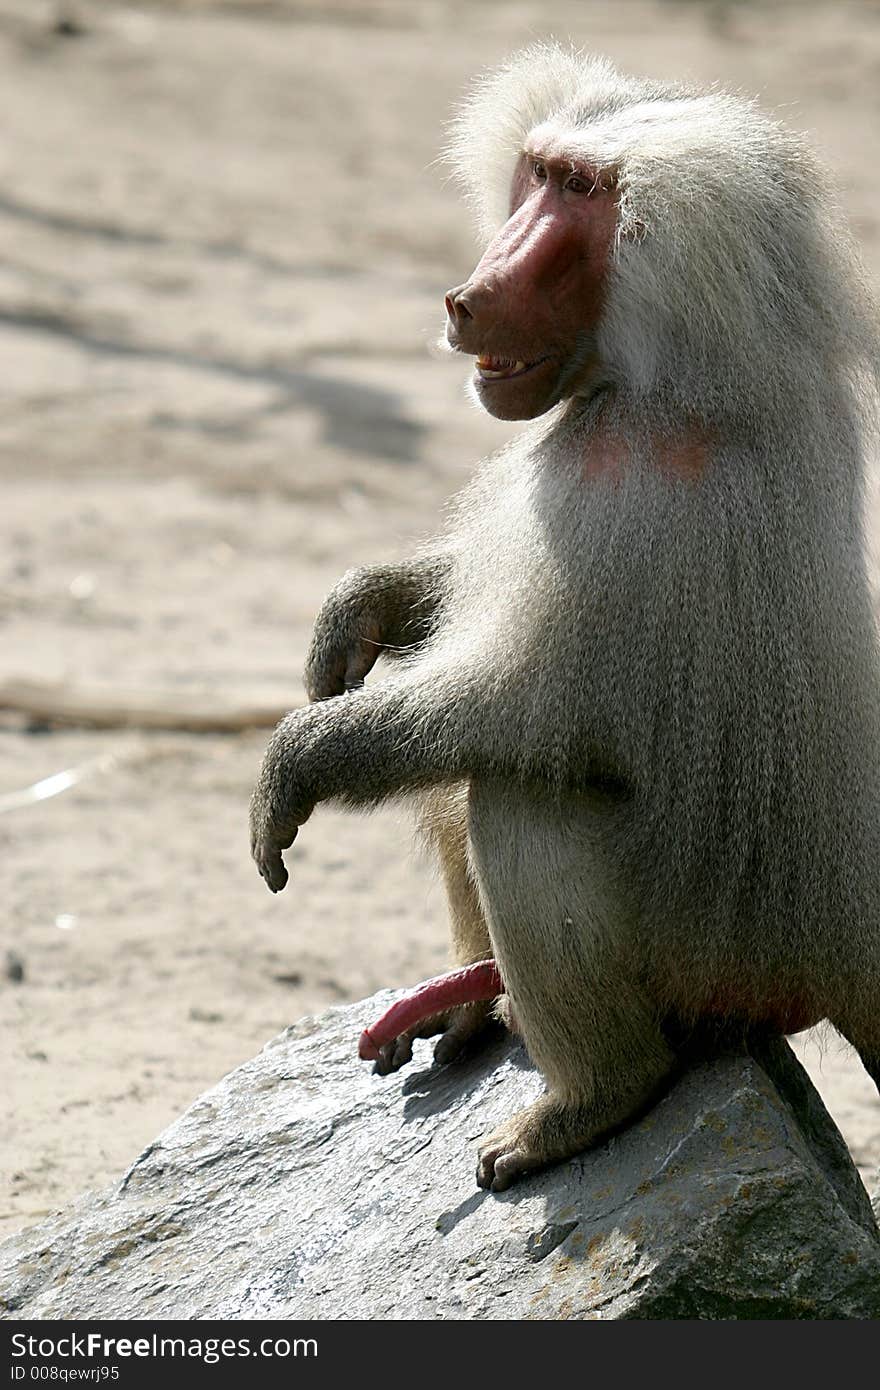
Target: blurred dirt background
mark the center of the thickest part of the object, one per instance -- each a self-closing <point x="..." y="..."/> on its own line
<point x="224" y="243"/>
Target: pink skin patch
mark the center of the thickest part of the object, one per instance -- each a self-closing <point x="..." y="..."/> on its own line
<point x="685" y="458"/>
<point x="465" y="986"/>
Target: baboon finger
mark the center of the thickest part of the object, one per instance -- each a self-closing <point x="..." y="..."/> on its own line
<point x="361" y="660"/>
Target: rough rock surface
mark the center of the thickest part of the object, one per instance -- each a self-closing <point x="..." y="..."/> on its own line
<point x="304" y="1186"/>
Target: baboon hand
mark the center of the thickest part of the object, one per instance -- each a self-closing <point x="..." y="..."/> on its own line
<point x="279" y="806"/>
<point x="346" y="643"/>
<point x="270" y="834"/>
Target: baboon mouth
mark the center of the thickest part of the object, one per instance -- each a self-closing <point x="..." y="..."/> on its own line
<point x="502" y="368"/>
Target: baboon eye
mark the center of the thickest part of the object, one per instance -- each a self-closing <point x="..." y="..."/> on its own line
<point x="539" y="169"/>
<point x="576" y="185"/>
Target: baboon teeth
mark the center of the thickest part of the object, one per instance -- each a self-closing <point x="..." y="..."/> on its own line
<point x="492" y="367"/>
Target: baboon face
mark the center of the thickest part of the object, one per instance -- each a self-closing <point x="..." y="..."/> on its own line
<point x="530" y="310"/>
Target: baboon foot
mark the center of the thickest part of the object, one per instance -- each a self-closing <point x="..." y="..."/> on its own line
<point x="544" y="1133"/>
<point x="457" y="1027"/>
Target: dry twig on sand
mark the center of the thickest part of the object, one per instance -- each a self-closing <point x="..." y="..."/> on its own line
<point x="101" y="709"/>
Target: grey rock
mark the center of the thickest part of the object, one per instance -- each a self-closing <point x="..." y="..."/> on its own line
<point x="304" y="1186"/>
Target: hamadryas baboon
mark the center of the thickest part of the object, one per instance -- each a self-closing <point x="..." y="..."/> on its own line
<point x="639" y="680"/>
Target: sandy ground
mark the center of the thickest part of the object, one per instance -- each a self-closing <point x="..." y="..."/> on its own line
<point x="223" y="248"/>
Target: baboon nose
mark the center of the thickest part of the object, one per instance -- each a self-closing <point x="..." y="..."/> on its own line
<point x="457" y="306"/>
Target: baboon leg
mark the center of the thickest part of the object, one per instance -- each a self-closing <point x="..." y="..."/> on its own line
<point x="866" y="1042"/>
<point x="871" y="1063"/>
<point x="598" y="1081"/>
<point x="561" y="940"/>
<point x="444" y="823"/>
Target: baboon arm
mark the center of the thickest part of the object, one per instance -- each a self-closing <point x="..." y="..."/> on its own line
<point x="362" y="748"/>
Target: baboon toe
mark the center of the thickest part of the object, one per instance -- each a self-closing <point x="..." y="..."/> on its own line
<point x="498" y="1168"/>
<point x="507" y="1154"/>
<point x="449" y="1046"/>
<point x="460" y="1027"/>
<point x="394" y="1054"/>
